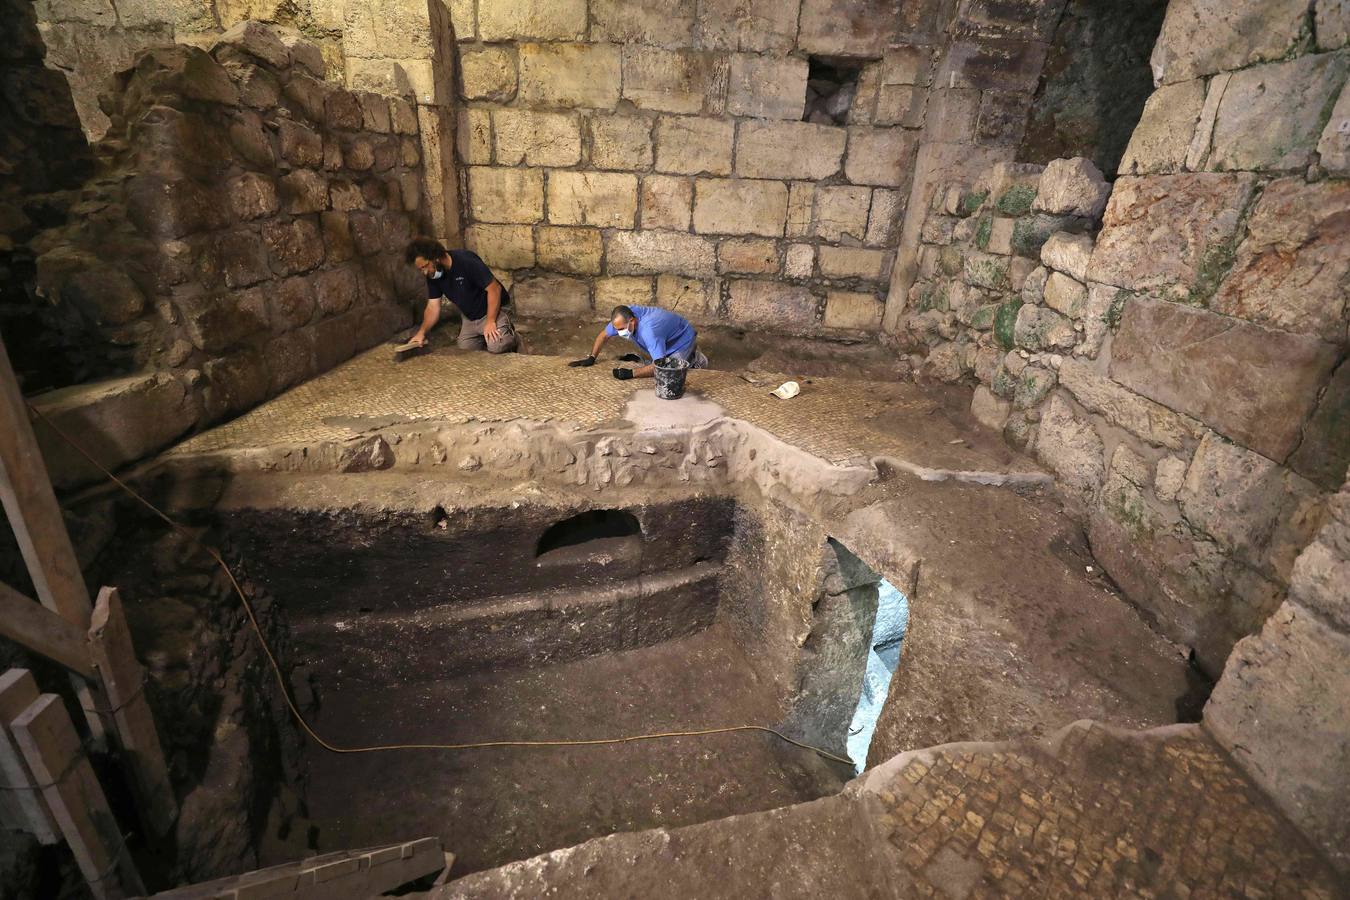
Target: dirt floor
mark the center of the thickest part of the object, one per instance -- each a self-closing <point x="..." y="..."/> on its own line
<point x="497" y="805"/>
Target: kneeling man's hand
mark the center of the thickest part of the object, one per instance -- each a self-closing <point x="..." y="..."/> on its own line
<point x="581" y="363"/>
<point x="623" y="374"/>
<point x="630" y="357"/>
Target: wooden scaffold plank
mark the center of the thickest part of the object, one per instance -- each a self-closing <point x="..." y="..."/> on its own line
<point x="123" y="683"/>
<point x="52" y="749"/>
<point x="27" y="811"/>
<point x="35" y="518"/>
<point x="28" y="623"/>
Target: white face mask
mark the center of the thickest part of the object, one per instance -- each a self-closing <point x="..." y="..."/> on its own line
<point x="624" y="332"/>
<point x="439" y="273"/>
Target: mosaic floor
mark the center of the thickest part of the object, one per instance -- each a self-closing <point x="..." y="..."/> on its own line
<point x="833" y="418"/>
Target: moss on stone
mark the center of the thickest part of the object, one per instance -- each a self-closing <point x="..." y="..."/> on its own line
<point x="1004" y="321"/>
<point x="1117" y="308"/>
<point x="1029" y="234"/>
<point x="933" y="296"/>
<point x="950" y="261"/>
<point x="987" y="273"/>
<point x="1214" y="266"/>
<point x="983" y="317"/>
<point x="971" y="201"/>
<point x="1016" y="200"/>
<point x="983" y="231"/>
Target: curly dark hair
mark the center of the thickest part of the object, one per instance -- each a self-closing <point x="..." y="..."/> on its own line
<point x="425" y="247"/>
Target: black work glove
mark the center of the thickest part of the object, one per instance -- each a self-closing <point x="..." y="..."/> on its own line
<point x="623" y="374"/>
<point x="582" y="363"/>
<point x="630" y="357"/>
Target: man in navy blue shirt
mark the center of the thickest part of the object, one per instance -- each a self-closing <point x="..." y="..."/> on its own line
<point x="659" y="332"/>
<point x="461" y="277"/>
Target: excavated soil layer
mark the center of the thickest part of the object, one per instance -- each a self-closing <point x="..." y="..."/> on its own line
<point x="529" y="623"/>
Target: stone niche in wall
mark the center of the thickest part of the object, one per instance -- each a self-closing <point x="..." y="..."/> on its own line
<point x="243" y="232"/>
<point x="628" y="151"/>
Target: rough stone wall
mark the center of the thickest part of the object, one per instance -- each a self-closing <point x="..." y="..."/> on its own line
<point x="1095" y="82"/>
<point x="636" y="151"/>
<point x="991" y="54"/>
<point x="1183" y="374"/>
<point x="91" y="40"/>
<point x="243" y="233"/>
<point x="1282" y="707"/>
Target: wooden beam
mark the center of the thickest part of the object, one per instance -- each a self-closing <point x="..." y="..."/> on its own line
<point x="53" y="752"/>
<point x="28" y="810"/>
<point x="42" y="631"/>
<point x="123" y="683"/>
<point x="35" y="517"/>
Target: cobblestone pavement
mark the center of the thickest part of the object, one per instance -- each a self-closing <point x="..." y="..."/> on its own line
<point x="835" y="419"/>
<point x="1090" y="812"/>
<point x="1105" y="814"/>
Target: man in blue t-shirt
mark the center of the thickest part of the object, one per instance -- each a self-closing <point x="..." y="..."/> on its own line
<point x="659" y="332"/>
<point x="461" y="277"/>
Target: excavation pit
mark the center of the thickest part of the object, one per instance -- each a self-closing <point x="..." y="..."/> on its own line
<point x="553" y="621"/>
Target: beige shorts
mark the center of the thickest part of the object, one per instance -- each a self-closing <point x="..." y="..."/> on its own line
<point x="471" y="335"/>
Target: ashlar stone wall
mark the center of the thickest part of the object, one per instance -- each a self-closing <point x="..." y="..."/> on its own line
<point x="243" y="232"/>
<point x="1183" y="370"/>
<point x="630" y="151"/>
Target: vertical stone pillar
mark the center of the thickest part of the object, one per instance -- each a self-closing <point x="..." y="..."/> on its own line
<point x="408" y="47"/>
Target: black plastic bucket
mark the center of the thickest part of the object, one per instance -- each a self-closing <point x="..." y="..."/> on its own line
<point x="670" y="372"/>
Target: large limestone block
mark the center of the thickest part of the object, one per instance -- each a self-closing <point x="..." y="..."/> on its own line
<point x="621" y="290"/>
<point x="536" y="138"/>
<point x="118" y="421"/>
<point x="692" y="298"/>
<point x="545" y="20"/>
<point x="1159" y="142"/>
<point x="658" y="23"/>
<point x="1252" y="507"/>
<point x="1003" y="66"/>
<point x="1322" y="570"/>
<point x="766" y="87"/>
<point x="506" y="195"/>
<point x="1068" y="253"/>
<point x="293" y="246"/>
<point x="502" y="246"/>
<point x="853" y="310"/>
<point x="488" y="73"/>
<point x="788" y="150"/>
<point x="1293" y="267"/>
<point x="658" y="252"/>
<point x="575" y="250"/>
<point x="1324" y="454"/>
<point x="989" y="409"/>
<point x="883" y="219"/>
<point x="1041" y="328"/>
<point x="750" y="25"/>
<point x="748" y="256"/>
<point x="552" y="295"/>
<point x="1170" y="234"/>
<point x="853" y="262"/>
<point x="667" y="202"/>
<point x="801" y="200"/>
<point x="1271" y="116"/>
<point x="1251" y="384"/>
<point x="1332" y="24"/>
<point x="772" y="304"/>
<point x="1333" y="148"/>
<point x="572" y="75"/>
<point x="694" y="146"/>
<point x="473" y="137"/>
<point x="1280" y="709"/>
<point x="603" y="199"/>
<point x="1065" y="295"/>
<point x="842" y="212"/>
<point x="1072" y="187"/>
<point x="739" y="206"/>
<point x="881" y="156"/>
<point x="682" y="81"/>
<point x="1125" y="409"/>
<point x="621" y="142"/>
<point x="1201" y="37"/>
<point x="1071" y="447"/>
<point x="848" y="27"/>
